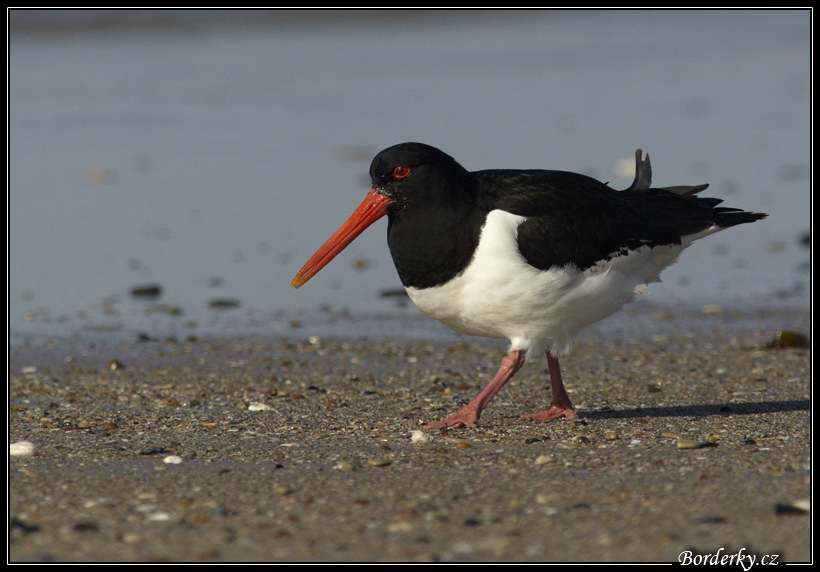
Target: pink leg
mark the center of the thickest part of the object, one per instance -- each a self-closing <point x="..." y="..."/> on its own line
<point x="468" y="417"/>
<point x="561" y="405"/>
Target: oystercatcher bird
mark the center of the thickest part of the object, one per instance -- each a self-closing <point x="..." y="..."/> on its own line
<point x="532" y="256"/>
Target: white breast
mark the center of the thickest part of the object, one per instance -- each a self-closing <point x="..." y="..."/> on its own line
<point x="499" y="295"/>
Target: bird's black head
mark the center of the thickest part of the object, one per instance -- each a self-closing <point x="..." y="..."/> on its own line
<point x="425" y="194"/>
<point x="417" y="174"/>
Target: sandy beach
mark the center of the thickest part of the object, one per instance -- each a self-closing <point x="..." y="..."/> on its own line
<point x="304" y="449"/>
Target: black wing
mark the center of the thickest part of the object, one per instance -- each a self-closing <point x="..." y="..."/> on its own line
<point x="575" y="219"/>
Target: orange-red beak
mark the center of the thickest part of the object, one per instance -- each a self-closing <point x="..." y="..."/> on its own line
<point x="372" y="209"/>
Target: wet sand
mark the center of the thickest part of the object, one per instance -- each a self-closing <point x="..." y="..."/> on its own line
<point x="254" y="448"/>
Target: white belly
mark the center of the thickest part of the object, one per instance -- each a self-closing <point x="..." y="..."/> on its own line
<point x="499" y="295"/>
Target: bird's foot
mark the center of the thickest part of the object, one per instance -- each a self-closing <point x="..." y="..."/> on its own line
<point x="467" y="417"/>
<point x="553" y="412"/>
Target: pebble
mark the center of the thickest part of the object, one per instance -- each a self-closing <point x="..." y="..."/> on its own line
<point x="547" y="498"/>
<point x="148" y="291"/>
<point x="684" y="443"/>
<point x="800" y="506"/>
<point x="256" y="406"/>
<point x="21" y="449"/>
<point x="172" y="460"/>
<point x="785" y="339"/>
<point x="344" y="466"/>
<point x="420" y="438"/>
<point x="223" y="304"/>
<point x="459" y="443"/>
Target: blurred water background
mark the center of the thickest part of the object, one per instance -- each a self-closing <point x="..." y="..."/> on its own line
<point x="170" y="171"/>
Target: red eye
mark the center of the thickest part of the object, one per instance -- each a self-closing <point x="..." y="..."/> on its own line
<point x="400" y="172"/>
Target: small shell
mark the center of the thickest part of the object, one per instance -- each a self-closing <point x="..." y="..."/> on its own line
<point x="255" y="406"/>
<point x="21" y="449"/>
<point x="684" y="443"/>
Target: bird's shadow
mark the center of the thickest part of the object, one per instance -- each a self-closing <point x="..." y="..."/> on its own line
<point x="702" y="410"/>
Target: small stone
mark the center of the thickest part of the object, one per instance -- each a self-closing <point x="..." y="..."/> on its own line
<point x="344" y="466"/>
<point x="86" y="527"/>
<point x="785" y="339"/>
<point x="172" y="460"/>
<point x="420" y="438"/>
<point x="801" y="506"/>
<point x="223" y="304"/>
<point x="21" y="449"/>
<point x="255" y="406"/>
<point x="547" y="498"/>
<point x="149" y="291"/>
<point x="459" y="443"/>
<point x="684" y="443"/>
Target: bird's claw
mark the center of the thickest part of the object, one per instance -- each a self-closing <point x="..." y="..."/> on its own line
<point x="554" y="412"/>
<point x="467" y="417"/>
